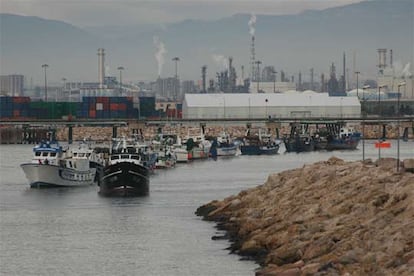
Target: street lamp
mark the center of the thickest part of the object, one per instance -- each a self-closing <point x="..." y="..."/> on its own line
<point x="363" y="121"/>
<point x="176" y="60"/>
<point x="398" y="125"/>
<point x="45" y="67"/>
<point x="379" y="110"/>
<point x="258" y="62"/>
<point x="120" y="68"/>
<point x="357" y="73"/>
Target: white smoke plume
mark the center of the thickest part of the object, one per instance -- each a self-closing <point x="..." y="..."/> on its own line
<point x="159" y="55"/>
<point x="400" y="70"/>
<point x="406" y="71"/>
<point x="252" y="23"/>
<point x="220" y="60"/>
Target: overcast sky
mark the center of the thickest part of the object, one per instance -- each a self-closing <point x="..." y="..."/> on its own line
<point x="126" y="12"/>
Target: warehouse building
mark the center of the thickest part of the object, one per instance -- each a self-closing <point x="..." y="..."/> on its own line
<point x="286" y="105"/>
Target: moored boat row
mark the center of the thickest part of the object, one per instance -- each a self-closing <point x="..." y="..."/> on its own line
<point x="124" y="168"/>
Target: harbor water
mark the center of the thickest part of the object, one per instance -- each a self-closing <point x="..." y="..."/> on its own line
<point x="74" y="231"/>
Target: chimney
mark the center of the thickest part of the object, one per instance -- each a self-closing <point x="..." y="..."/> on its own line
<point x="101" y="67"/>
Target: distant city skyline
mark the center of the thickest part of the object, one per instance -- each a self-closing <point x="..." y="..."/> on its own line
<point x="88" y="13"/>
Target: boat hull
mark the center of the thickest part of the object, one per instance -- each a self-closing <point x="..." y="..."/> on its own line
<point x="182" y="156"/>
<point x="227" y="151"/>
<point x="258" y="150"/>
<point x="349" y="144"/>
<point x="125" y="179"/>
<point x="41" y="175"/>
<point x="295" y="145"/>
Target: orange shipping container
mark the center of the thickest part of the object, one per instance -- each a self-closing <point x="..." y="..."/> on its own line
<point x="92" y="113"/>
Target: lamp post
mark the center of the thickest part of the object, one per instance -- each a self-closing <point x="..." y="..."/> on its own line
<point x="379" y="111"/>
<point x="120" y="68"/>
<point x="258" y="62"/>
<point x="357" y="73"/>
<point x="398" y="125"/>
<point x="45" y="67"/>
<point x="176" y="60"/>
<point x="363" y="121"/>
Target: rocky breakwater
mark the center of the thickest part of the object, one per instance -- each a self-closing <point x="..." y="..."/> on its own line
<point x="328" y="218"/>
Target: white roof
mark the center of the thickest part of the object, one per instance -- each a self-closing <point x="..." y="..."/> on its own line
<point x="246" y="100"/>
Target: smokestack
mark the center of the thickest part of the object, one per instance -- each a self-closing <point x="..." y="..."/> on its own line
<point x="382" y="62"/>
<point x="253" y="61"/>
<point x="101" y="67"/>
<point x="252" y="30"/>
<point x="203" y="75"/>
<point x="344" y="73"/>
<point x="300" y="82"/>
<point x="311" y="72"/>
<point x="322" y="82"/>
<point x="391" y="58"/>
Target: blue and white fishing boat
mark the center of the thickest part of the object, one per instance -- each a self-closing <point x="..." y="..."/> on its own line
<point x="51" y="165"/>
<point x="224" y="146"/>
<point x="261" y="144"/>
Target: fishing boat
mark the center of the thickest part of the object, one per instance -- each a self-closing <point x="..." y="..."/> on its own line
<point x="95" y="156"/>
<point x="346" y="138"/>
<point x="299" y="139"/>
<point x="52" y="165"/>
<point x="261" y="144"/>
<point x="170" y="149"/>
<point x="197" y="146"/>
<point x="128" y="170"/>
<point x="224" y="145"/>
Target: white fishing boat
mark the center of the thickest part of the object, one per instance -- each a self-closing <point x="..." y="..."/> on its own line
<point x="197" y="146"/>
<point x="52" y="165"/>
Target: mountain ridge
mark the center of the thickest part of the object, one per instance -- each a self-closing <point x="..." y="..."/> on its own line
<point x="293" y="43"/>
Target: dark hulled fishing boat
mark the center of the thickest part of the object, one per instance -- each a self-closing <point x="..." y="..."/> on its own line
<point x="261" y="144"/>
<point x="127" y="172"/>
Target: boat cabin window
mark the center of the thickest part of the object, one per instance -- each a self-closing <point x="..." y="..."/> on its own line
<point x="125" y="156"/>
<point x="53" y="154"/>
<point x="37" y="153"/>
<point x="45" y="153"/>
<point x="81" y="155"/>
<point x="135" y="157"/>
<point x="114" y="157"/>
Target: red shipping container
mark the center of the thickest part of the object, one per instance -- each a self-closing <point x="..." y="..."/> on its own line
<point x="130" y="99"/>
<point x="105" y="100"/>
<point x="122" y="107"/>
<point x="92" y="114"/>
<point x="21" y="99"/>
<point x="180" y="114"/>
<point x="113" y="107"/>
<point x="105" y="106"/>
<point x="16" y="113"/>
